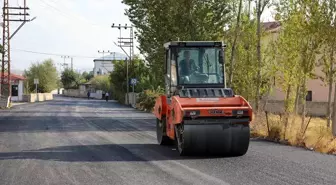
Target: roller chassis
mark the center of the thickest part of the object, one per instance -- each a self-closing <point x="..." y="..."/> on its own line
<point x="220" y="134"/>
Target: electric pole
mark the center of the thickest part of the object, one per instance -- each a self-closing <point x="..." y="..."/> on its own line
<point x="103" y="52"/>
<point x="71" y="64"/>
<point x="10" y="14"/>
<point x="103" y="62"/>
<point x="64" y="63"/>
<point x="126" y="42"/>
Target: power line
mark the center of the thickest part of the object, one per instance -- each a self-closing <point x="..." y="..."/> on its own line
<point x="71" y="16"/>
<point x="54" y="54"/>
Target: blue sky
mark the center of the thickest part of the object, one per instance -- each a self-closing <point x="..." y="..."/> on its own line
<point x="68" y="27"/>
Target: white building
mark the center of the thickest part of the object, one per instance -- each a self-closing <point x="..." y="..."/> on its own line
<point x="104" y="65"/>
<point x="17" y="84"/>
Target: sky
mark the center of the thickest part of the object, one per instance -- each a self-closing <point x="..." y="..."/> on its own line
<point x="77" y="28"/>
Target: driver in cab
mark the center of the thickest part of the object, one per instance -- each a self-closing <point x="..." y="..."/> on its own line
<point x="187" y="65"/>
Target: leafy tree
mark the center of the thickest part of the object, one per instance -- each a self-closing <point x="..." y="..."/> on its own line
<point x="70" y="79"/>
<point x="233" y="50"/>
<point x="46" y="72"/>
<point x="101" y="82"/>
<point x="159" y="21"/>
<point x="261" y="4"/>
<point x="139" y="70"/>
<point x="296" y="50"/>
<point x="328" y="32"/>
<point x="87" y="76"/>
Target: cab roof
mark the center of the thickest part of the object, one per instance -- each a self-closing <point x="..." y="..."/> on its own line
<point x="194" y="44"/>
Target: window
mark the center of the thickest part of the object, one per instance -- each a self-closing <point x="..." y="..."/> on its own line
<point x="309" y="96"/>
<point x="200" y="66"/>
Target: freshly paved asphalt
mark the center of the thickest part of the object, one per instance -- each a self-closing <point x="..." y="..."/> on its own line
<point x="92" y="142"/>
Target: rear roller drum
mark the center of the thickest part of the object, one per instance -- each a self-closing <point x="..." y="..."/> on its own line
<point x="162" y="138"/>
<point x="179" y="141"/>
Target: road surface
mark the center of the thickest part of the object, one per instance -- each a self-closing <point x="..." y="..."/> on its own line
<point x="92" y="142"/>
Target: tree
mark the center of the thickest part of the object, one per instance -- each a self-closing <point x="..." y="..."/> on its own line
<point x="159" y="21"/>
<point x="87" y="76"/>
<point x="297" y="47"/>
<point x="139" y="70"/>
<point x="101" y="82"/>
<point x="235" y="41"/>
<point x="70" y="79"/>
<point x="46" y="72"/>
<point x="328" y="31"/>
<point x="261" y="4"/>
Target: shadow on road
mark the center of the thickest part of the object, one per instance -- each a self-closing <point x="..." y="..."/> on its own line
<point x="103" y="153"/>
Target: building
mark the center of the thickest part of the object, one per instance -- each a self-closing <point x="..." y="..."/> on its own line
<point x="104" y="65"/>
<point x="17" y="82"/>
<point x="317" y="90"/>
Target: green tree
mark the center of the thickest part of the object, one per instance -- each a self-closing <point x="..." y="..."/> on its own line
<point x="296" y="49"/>
<point x="87" y="76"/>
<point x="139" y="70"/>
<point x="159" y="21"/>
<point x="70" y="79"/>
<point x="46" y="72"/>
<point x="328" y="32"/>
<point x="101" y="82"/>
<point x="261" y="4"/>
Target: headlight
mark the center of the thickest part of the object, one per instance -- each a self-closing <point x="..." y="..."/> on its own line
<point x="240" y="112"/>
<point x="191" y="113"/>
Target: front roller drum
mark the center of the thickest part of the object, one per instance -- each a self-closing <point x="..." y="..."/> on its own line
<point x="219" y="139"/>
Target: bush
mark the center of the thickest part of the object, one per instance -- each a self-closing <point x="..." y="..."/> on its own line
<point x="147" y="98"/>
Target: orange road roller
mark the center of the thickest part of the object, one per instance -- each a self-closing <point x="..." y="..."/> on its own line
<point x="198" y="112"/>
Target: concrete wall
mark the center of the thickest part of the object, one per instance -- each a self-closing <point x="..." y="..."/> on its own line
<point x="38" y="97"/>
<point x="96" y="95"/>
<point x="318" y="109"/>
<point x="132" y="98"/>
<point x="82" y="94"/>
<point x="57" y="91"/>
<point x="75" y="93"/>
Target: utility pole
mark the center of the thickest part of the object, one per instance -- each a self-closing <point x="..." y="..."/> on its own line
<point x="64" y="63"/>
<point x="71" y="63"/>
<point x="126" y="42"/>
<point x="10" y="14"/>
<point x="103" y="62"/>
<point x="103" y="52"/>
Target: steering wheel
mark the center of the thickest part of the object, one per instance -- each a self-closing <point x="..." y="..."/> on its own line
<point x="199" y="76"/>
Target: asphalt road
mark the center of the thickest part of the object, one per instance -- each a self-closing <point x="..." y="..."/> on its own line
<point x="91" y="142"/>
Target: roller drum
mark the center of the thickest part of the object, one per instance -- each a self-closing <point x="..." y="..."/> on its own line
<point x="216" y="139"/>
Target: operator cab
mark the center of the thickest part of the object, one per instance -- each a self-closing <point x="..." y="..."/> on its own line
<point x="195" y="69"/>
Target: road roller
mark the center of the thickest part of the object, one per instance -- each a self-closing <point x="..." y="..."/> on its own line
<point x="198" y="112"/>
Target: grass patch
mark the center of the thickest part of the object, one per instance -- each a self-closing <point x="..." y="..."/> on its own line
<point x="313" y="134"/>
